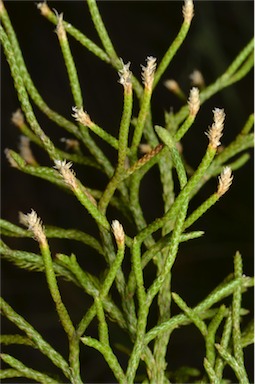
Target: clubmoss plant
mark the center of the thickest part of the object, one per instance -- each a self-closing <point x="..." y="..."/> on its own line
<point x="123" y="293"/>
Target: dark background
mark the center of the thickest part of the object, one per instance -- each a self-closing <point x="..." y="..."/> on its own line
<point x="138" y="29"/>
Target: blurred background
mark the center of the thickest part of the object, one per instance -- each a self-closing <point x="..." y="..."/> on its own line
<point x="219" y="30"/>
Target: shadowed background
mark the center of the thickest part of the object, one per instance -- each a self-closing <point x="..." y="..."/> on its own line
<point x="218" y="32"/>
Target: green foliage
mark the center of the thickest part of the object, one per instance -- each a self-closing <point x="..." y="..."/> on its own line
<point x="219" y="323"/>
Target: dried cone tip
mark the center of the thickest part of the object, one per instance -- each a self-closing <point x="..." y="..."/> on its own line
<point x="225" y="181"/>
<point x="188" y="10"/>
<point x="68" y="174"/>
<point x="60" y="30"/>
<point x="149" y="71"/>
<point x="125" y="76"/>
<point x="81" y="116"/>
<point x="194" y="101"/>
<point x="118" y="232"/>
<point x="34" y="224"/>
<point x="215" y="132"/>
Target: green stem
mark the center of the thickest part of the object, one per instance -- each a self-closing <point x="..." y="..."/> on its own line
<point x="112" y="141"/>
<point x="241" y="143"/>
<point x="31" y="89"/>
<point x="87" y="43"/>
<point x="54" y="290"/>
<point x="54" y="232"/>
<point x="235" y="65"/>
<point x="164" y="242"/>
<point x="223" y="81"/>
<point x="109" y="356"/>
<point x="231" y="361"/>
<point x="191" y="314"/>
<point x="23" y="97"/>
<point x="236" y="318"/>
<point x="62" y="313"/>
<point x="248" y="125"/>
<point x="144" y="108"/>
<point x="195" y="215"/>
<point x="102" y="326"/>
<point x="210" y="372"/>
<point x="89" y="205"/>
<point x="177" y="162"/>
<point x="91" y="286"/>
<point x="173" y="249"/>
<point x="184" y="127"/>
<point x="142" y="313"/>
<point x="122" y="150"/>
<point x="183" y="195"/>
<point x="210" y="337"/>
<point x="9" y="373"/>
<point x="36" y="338"/>
<point x="170" y="53"/>
<point x="24" y="371"/>
<point x="215" y="296"/>
<point x="69" y="62"/>
<point x="16" y="339"/>
<point x="139" y="343"/>
<point x="115" y="266"/>
<point x="219" y="363"/>
<point x="102" y="32"/>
